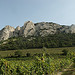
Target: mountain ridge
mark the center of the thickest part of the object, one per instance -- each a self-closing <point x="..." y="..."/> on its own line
<point x="35" y="29"/>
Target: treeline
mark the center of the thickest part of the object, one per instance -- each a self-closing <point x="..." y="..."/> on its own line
<point x="50" y="41"/>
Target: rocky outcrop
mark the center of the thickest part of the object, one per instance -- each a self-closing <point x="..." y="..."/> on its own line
<point x="28" y="29"/>
<point x="16" y="33"/>
<point x="6" y="32"/>
<point x="31" y="29"/>
<point x="45" y="28"/>
<point x="72" y="28"/>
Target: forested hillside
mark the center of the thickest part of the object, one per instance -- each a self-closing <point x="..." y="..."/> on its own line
<point x="50" y="41"/>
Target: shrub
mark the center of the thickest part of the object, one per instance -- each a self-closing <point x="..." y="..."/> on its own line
<point x="74" y="61"/>
<point x="28" y="54"/>
<point x="18" y="53"/>
<point x="44" y="48"/>
<point x="64" y="52"/>
<point x="38" y="54"/>
<point x="47" y="54"/>
<point x="71" y="54"/>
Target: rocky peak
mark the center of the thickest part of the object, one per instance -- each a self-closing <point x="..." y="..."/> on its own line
<point x="31" y="29"/>
<point x="72" y="28"/>
<point x="17" y="28"/>
<point x="17" y="31"/>
<point x="28" y="22"/>
<point x="27" y="29"/>
<point x="6" y="32"/>
<point x="9" y="28"/>
<point x="46" y="28"/>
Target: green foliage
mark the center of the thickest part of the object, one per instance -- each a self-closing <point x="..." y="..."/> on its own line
<point x="50" y="41"/>
<point x="64" y="52"/>
<point x="71" y="54"/>
<point x="40" y="66"/>
<point x="18" y="53"/>
<point x="73" y="61"/>
<point x="28" y="54"/>
<point x="38" y="54"/>
<point x="44" y="49"/>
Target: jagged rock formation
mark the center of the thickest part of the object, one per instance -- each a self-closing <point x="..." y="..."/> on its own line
<point x="27" y="29"/>
<point x="31" y="29"/>
<point x="45" y="28"/>
<point x="6" y="32"/>
<point x="72" y="28"/>
<point x="17" y="31"/>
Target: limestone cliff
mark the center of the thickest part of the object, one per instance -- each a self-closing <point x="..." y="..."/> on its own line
<point x="6" y="32"/>
<point x="27" y="29"/>
<point x="31" y="29"/>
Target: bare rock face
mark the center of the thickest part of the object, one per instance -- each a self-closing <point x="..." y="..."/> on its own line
<point x="46" y="28"/>
<point x="17" y="28"/>
<point x="28" y="29"/>
<point x="72" y="28"/>
<point x="16" y="32"/>
<point x="63" y="29"/>
<point x="6" y="32"/>
<point x="31" y="29"/>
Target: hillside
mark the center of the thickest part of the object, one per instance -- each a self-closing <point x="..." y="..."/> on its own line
<point x="50" y="41"/>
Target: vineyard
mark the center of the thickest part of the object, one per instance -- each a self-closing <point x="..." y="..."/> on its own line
<point x="40" y="66"/>
<point x="37" y="65"/>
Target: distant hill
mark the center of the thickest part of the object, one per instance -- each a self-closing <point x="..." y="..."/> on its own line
<point x="37" y="29"/>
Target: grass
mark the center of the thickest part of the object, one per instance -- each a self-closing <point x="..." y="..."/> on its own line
<point x="34" y="51"/>
<point x="19" y="58"/>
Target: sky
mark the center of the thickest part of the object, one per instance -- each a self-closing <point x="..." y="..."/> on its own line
<point x="17" y="12"/>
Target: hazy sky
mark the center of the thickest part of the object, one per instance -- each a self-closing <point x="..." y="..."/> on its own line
<point x="16" y="12"/>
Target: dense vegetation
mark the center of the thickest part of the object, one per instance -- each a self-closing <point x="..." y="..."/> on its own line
<point x="43" y="65"/>
<point x="50" y="41"/>
<point x="36" y="61"/>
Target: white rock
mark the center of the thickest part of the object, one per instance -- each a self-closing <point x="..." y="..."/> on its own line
<point x="72" y="28"/>
<point x="31" y="29"/>
<point x="6" y="32"/>
<point x="27" y="29"/>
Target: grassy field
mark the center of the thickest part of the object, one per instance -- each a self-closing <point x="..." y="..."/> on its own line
<point x="34" y="51"/>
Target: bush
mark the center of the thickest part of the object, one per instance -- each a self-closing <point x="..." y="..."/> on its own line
<point x="28" y="54"/>
<point x="0" y="56"/>
<point x="18" y="53"/>
<point x="64" y="52"/>
<point x="71" y="54"/>
<point x="47" y="54"/>
<point x="74" y="61"/>
<point x="38" y="54"/>
<point x="44" y="48"/>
